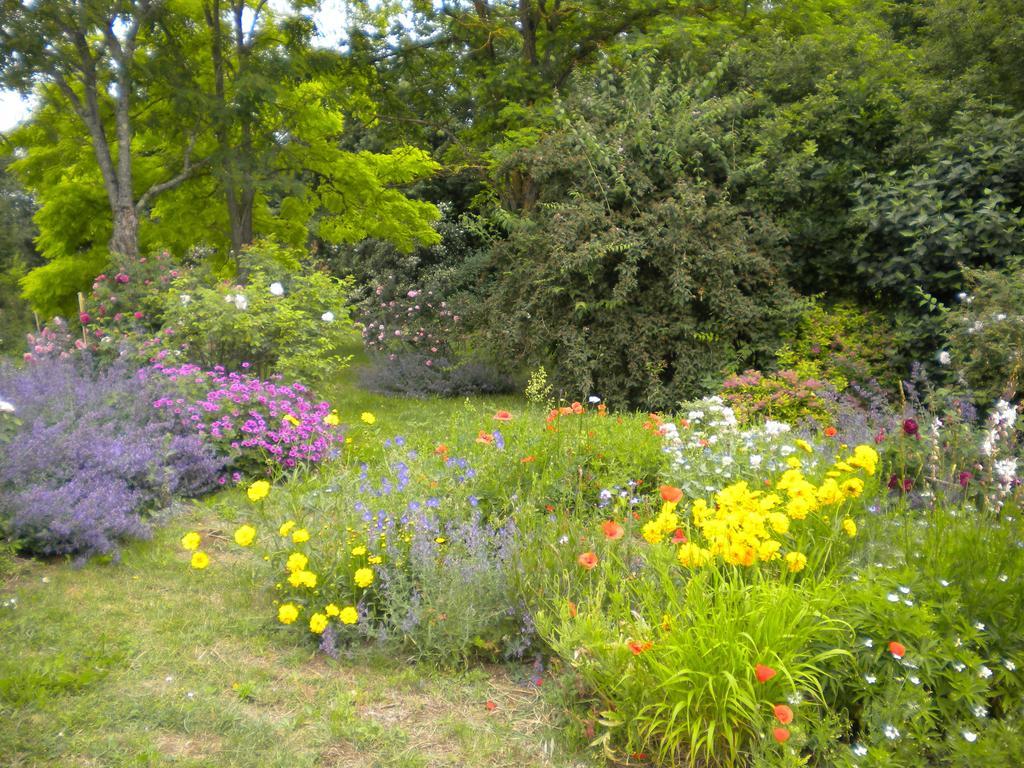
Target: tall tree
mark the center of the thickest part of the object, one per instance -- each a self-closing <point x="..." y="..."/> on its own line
<point x="91" y="52"/>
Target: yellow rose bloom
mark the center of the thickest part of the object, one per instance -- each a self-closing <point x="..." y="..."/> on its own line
<point x="296" y="562"/>
<point x="358" y="551"/>
<point x="363" y="577"/>
<point x="286" y="527"/>
<point x="368" y="418"/>
<point x="317" y="623"/>
<point x="849" y="527"/>
<point x="287" y="613"/>
<point x="244" y="535"/>
<point x="796" y="561"/>
<point x="852" y="488"/>
<point x="332" y="610"/>
<point x="190" y="541"/>
<point x="258" y="490"/>
<point x="200" y="560"/>
<point x="349" y="615"/>
<point x="300" y="536"/>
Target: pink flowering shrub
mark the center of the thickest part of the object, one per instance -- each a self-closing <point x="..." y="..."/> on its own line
<point x="259" y="424"/>
<point x="53" y="342"/>
<point x="400" y="320"/>
<point x="782" y="396"/>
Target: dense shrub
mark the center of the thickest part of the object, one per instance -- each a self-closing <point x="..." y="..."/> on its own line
<point x="986" y="332"/>
<point x="783" y="396"/>
<point x="90" y="457"/>
<point x="417" y="375"/>
<point x="626" y="271"/>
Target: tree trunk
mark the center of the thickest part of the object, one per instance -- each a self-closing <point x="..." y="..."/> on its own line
<point x="125" y="239"/>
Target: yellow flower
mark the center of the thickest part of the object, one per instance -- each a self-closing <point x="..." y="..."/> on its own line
<point x="364" y="577"/>
<point x="331" y="419"/>
<point x="317" y="623"/>
<point x="440" y="540"/>
<point x="652" y="532"/>
<point x="190" y="540"/>
<point x="769" y="549"/>
<point x="849" y="527"/>
<point x="358" y="551"/>
<point x="803" y="445"/>
<point x="852" y="488"/>
<point x="245" y="535"/>
<point x="292" y="420"/>
<point x="829" y="492"/>
<point x="296" y="562"/>
<point x="200" y="560"/>
<point x="865" y="457"/>
<point x="666" y="622"/>
<point x="300" y="536"/>
<point x="258" y="490"/>
<point x="302" y="579"/>
<point x="287" y="613"/>
<point x="286" y="527"/>
<point x="693" y="556"/>
<point x="375" y="560"/>
<point x="349" y="615"/>
<point x="778" y="521"/>
<point x="793" y="462"/>
<point x="332" y="610"/>
<point x="368" y="418"/>
<point x="796" y="561"/>
<point x="799" y="508"/>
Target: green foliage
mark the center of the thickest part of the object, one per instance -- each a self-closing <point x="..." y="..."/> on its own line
<point x="783" y="396"/>
<point x="960" y="208"/>
<point x="230" y="323"/>
<point x="986" y="332"/>
<point x="631" y="275"/>
<point x="840" y="345"/>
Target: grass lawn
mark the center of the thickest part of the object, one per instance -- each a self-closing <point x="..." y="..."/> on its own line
<point x="147" y="662"/>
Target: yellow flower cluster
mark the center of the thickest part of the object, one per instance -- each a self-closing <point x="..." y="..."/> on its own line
<point x="743" y="525"/>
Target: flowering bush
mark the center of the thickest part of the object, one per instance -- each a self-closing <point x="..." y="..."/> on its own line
<point x="255" y="424"/>
<point x="91" y="457"/>
<point x="783" y="396"/>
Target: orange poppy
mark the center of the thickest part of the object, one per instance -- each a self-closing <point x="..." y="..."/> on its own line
<point x="485" y="437"/>
<point x="588" y="560"/>
<point x="503" y="416"/>
<point x="612" y="530"/>
<point x="679" y="537"/>
<point x="783" y="714"/>
<point x="671" y="493"/>
<point x="831" y="431"/>
<point x="572" y="610"/>
<point x="764" y="673"/>
<point x="781" y="735"/>
<point x="897" y="649"/>
<point x="577" y="408"/>
<point x="637" y="647"/>
<point x="527" y="459"/>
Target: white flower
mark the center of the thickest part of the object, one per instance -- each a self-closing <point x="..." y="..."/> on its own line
<point x="277" y="289"/>
<point x="979" y="710"/>
<point x="891" y="732"/>
<point x="6" y="407"/>
<point x="1003" y="577"/>
<point x="327" y="317"/>
<point x="594" y="400"/>
<point x="944" y="358"/>
<point x="892" y="597"/>
<point x="241" y="302"/>
<point x="185" y="298"/>
<point x="755" y="460"/>
<point x="786" y="450"/>
<point x="563" y="540"/>
<point x="775" y="428"/>
<point x="971" y="736"/>
<point x="870" y="679"/>
<point x="1006" y="469"/>
<point x="959" y="666"/>
<point x="859" y="750"/>
<point x="726" y="460"/>
<point x="943" y="582"/>
<point x="915" y="679"/>
<point x="229" y="298"/>
<point x="905" y="590"/>
<point x="1009" y="665"/>
<point x="961" y="296"/>
<point x="979" y="626"/>
<point x="869" y="643"/>
<point x="984" y="672"/>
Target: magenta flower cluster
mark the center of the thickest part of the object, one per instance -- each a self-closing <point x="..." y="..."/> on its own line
<point x="414" y="319"/>
<point x="256" y="421"/>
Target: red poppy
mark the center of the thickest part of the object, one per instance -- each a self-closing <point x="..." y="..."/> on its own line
<point x="527" y="459"/>
<point x="639" y="756"/>
<point x="764" y="673"/>
<point x="679" y="537"/>
<point x="781" y="735"/>
<point x="503" y="416"/>
<point x="549" y="508"/>
<point x="612" y="530"/>
<point x="441" y="449"/>
<point x="831" y="431"/>
<point x="671" y="493"/>
<point x="637" y="647"/>
<point x="588" y="560"/>
<point x="491" y="706"/>
<point x="897" y="649"/>
<point x="783" y="714"/>
<point x="485" y="437"/>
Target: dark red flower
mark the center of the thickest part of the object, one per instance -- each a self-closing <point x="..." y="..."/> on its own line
<point x="964" y="478"/>
<point x="910" y="428"/>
